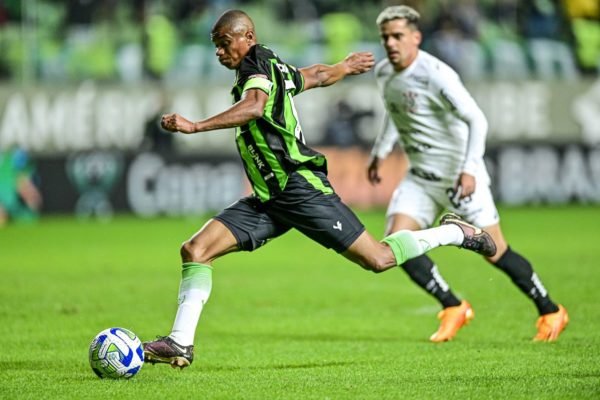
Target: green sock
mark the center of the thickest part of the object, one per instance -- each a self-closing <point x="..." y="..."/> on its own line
<point x="196" y="276"/>
<point x="194" y="290"/>
<point x="404" y="245"/>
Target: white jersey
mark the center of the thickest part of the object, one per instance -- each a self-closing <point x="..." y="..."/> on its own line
<point x="441" y="128"/>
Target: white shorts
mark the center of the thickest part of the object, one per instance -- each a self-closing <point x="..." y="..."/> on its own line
<point x="424" y="200"/>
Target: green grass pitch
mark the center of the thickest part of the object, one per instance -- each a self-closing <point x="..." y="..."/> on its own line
<point x="293" y="320"/>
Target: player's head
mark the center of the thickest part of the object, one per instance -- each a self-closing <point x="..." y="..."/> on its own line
<point x="400" y="34"/>
<point x="233" y="35"/>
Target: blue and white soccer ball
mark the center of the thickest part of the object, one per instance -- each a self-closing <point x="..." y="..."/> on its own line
<point x="116" y="353"/>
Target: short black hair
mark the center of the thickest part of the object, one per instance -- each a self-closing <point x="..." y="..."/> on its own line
<point x="235" y="20"/>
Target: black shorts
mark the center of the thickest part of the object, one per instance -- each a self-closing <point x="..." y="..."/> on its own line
<point x="320" y="216"/>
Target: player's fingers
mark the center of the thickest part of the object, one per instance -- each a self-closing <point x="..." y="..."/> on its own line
<point x="372" y="175"/>
<point x="364" y="54"/>
<point x="375" y="179"/>
<point x="170" y="123"/>
<point x="468" y="191"/>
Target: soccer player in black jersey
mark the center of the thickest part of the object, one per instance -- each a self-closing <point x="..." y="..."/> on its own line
<point x="289" y="182"/>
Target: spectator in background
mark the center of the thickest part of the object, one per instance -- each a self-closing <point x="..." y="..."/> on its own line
<point x="4" y="14"/>
<point x="546" y="34"/>
<point x="155" y="137"/>
<point x="342" y="127"/>
<point x="445" y="40"/>
<point x="342" y="31"/>
<point x="584" y="16"/>
<point x="502" y="41"/>
<point x="453" y="37"/>
<point x="20" y="199"/>
<point x="582" y="9"/>
<point x="541" y="19"/>
<point x="160" y="45"/>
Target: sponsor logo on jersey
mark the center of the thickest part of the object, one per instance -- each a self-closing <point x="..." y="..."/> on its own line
<point x="410" y="102"/>
<point x="253" y="153"/>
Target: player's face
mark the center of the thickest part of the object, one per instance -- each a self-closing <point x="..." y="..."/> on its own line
<point x="401" y="43"/>
<point x="231" y="47"/>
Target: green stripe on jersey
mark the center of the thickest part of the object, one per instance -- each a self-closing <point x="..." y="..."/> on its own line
<point x="272" y="147"/>
<point x="314" y="180"/>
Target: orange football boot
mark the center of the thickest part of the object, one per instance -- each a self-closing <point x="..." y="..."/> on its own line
<point x="452" y="319"/>
<point x="550" y="326"/>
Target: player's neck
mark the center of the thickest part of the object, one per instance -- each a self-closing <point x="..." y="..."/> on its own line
<point x="406" y="63"/>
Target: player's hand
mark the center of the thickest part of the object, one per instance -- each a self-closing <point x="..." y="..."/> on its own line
<point x="373" y="171"/>
<point x="358" y="63"/>
<point x="176" y="123"/>
<point x="466" y="182"/>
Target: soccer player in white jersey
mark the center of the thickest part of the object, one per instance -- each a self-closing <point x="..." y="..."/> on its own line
<point x="442" y="130"/>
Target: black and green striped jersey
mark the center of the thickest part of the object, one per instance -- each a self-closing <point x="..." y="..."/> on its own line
<point x="272" y="147"/>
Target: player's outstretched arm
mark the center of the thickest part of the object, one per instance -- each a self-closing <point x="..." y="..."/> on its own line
<point x="324" y="75"/>
<point x="249" y="108"/>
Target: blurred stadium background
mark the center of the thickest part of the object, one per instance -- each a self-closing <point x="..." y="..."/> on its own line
<point x="83" y="83"/>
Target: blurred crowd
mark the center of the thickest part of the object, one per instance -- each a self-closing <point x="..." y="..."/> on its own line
<point x="20" y="199"/>
<point x="56" y="41"/>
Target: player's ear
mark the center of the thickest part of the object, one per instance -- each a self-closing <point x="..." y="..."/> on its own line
<point x="418" y="37"/>
<point x="250" y="36"/>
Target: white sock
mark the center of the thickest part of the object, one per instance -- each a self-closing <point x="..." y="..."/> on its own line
<point x="194" y="290"/>
<point x="439" y="236"/>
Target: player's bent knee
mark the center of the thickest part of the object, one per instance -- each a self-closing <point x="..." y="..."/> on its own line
<point x="192" y="251"/>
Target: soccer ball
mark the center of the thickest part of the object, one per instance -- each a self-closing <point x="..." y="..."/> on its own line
<point x="116" y="353"/>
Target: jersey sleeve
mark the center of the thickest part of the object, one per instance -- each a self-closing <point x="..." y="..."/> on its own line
<point x="258" y="70"/>
<point x="387" y="138"/>
<point x="388" y="135"/>
<point x="297" y="79"/>
<point x="459" y="100"/>
<point x="255" y="72"/>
